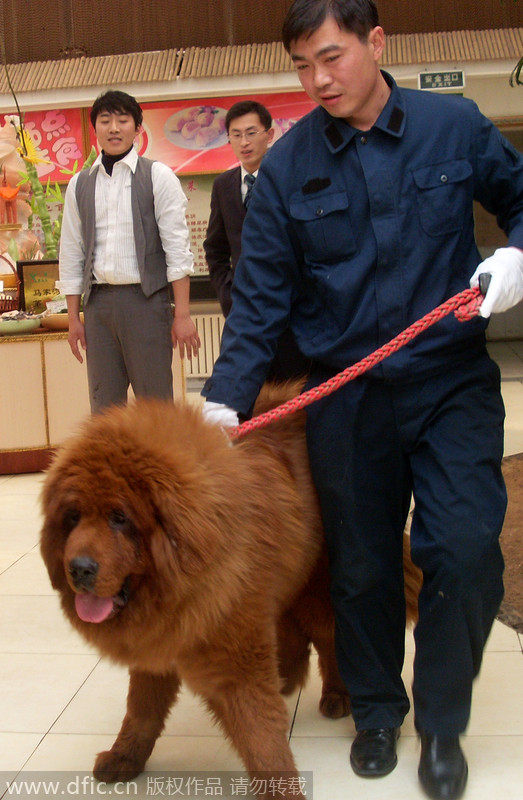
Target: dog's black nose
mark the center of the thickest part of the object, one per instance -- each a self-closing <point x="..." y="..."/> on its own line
<point x="83" y="571"/>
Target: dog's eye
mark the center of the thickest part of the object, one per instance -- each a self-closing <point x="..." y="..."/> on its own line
<point x="117" y="519"/>
<point x="71" y="519"/>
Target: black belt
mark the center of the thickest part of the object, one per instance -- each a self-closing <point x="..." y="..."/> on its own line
<point x="111" y="286"/>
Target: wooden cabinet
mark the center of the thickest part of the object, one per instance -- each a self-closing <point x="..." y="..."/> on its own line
<point x="43" y="397"/>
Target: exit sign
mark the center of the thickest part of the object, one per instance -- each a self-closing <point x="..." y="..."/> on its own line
<point x="442" y="80"/>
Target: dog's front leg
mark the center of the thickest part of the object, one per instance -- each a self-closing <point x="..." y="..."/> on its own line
<point x="254" y="717"/>
<point x="148" y="702"/>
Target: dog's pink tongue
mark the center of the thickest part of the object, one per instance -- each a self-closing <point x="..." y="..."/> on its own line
<point x="91" y="608"/>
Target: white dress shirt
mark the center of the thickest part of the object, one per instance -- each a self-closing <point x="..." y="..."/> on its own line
<point x="114" y="257"/>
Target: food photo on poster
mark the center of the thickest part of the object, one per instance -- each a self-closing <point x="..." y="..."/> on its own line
<point x="197" y="128"/>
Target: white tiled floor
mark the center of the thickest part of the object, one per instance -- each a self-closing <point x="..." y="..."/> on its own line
<point x="60" y="704"/>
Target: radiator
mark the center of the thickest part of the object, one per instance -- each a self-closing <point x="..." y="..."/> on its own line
<point x="209" y="327"/>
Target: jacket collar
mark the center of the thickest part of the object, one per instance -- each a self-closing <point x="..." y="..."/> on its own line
<point x="338" y="133"/>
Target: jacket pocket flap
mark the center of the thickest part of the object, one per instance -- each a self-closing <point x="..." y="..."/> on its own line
<point x="318" y="206"/>
<point x="442" y="174"/>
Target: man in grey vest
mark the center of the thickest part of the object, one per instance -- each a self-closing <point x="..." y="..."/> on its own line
<point x="124" y="240"/>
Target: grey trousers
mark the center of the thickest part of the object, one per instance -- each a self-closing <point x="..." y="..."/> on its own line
<point x="128" y="339"/>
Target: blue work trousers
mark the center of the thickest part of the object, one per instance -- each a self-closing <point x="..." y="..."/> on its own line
<point x="372" y="445"/>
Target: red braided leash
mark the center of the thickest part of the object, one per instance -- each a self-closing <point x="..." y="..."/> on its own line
<point x="465" y="306"/>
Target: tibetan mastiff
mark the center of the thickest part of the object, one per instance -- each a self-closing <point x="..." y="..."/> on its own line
<point x="190" y="559"/>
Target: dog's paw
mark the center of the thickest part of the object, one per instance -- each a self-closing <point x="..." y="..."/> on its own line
<point x="110" y="767"/>
<point x="335" y="704"/>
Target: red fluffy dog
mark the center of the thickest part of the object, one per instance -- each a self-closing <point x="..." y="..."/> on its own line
<point x="188" y="559"/>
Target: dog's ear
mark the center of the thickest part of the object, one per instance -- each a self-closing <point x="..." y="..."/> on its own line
<point x="51" y="534"/>
<point x="192" y="496"/>
<point x="187" y="537"/>
<point x="163" y="549"/>
<point x="52" y="552"/>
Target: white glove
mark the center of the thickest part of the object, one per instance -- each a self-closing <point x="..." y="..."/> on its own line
<point x="506" y="285"/>
<point x="220" y="414"/>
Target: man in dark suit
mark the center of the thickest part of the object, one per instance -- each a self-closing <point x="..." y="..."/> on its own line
<point x="249" y="128"/>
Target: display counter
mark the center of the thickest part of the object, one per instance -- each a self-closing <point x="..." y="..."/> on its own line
<point x="43" y="397"/>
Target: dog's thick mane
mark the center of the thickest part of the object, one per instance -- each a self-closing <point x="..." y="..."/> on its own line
<point x="213" y="501"/>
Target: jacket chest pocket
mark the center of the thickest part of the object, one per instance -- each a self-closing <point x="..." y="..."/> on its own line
<point x="444" y="196"/>
<point x="322" y="224"/>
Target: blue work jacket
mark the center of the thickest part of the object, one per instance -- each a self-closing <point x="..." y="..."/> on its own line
<point x="352" y="236"/>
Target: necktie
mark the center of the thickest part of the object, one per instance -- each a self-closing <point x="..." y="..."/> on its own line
<point x="249" y="180"/>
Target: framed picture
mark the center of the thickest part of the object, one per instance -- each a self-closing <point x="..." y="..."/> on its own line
<point x="37" y="284"/>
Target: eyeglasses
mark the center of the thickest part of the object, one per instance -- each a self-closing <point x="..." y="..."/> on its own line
<point x="249" y="135"/>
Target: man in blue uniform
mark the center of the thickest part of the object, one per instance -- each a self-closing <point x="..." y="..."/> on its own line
<point x="361" y="222"/>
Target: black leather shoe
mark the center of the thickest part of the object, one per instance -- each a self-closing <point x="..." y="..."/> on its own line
<point x="373" y="752"/>
<point x="443" y="769"/>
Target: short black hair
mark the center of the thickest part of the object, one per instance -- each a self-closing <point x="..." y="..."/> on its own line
<point x="304" y="17"/>
<point x="248" y="107"/>
<point x="116" y="102"/>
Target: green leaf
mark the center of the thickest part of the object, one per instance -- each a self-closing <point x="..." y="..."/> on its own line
<point x="12" y="249"/>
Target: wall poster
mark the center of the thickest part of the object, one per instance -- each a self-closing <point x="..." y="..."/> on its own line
<point x="197" y="189"/>
<point x="189" y="136"/>
<point x="58" y="138"/>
